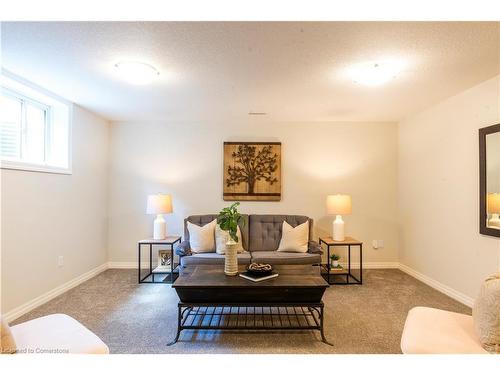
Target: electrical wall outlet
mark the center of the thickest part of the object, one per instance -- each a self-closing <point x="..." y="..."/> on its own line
<point x="376" y="244"/>
<point x="60" y="261"/>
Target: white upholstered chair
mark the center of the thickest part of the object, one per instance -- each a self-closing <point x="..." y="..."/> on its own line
<point x="434" y="331"/>
<point x="429" y="330"/>
<point x="56" y="333"/>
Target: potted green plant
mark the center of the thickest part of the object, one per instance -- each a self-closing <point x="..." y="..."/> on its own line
<point x="228" y="221"/>
<point x="335" y="260"/>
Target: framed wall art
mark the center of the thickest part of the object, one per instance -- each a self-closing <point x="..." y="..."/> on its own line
<point x="252" y="171"/>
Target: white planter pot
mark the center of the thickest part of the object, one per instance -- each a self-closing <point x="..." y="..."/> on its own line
<point x="335" y="263"/>
<point x="231" y="259"/>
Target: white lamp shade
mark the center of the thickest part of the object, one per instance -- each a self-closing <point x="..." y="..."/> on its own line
<point x="159" y="204"/>
<point x="338" y="204"/>
<point x="493" y="203"/>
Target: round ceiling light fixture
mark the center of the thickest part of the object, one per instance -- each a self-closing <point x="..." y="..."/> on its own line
<point x="137" y="73"/>
<point x="374" y="73"/>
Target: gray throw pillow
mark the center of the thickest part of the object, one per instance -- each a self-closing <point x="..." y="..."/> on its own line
<point x="486" y="314"/>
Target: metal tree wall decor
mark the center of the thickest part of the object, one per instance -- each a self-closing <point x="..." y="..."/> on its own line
<point x="252" y="171"/>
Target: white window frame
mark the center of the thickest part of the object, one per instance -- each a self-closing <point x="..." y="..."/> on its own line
<point x="35" y="167"/>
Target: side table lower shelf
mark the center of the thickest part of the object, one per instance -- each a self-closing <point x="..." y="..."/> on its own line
<point x="339" y="278"/>
<point x="157" y="276"/>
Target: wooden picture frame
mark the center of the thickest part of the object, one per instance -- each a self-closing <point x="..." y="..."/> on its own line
<point x="252" y="171"/>
<point x="164" y="260"/>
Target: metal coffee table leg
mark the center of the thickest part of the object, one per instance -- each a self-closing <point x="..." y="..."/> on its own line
<point x="179" y="328"/>
<point x="323" y="338"/>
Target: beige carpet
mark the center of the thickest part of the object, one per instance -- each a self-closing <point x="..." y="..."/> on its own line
<point x="133" y="318"/>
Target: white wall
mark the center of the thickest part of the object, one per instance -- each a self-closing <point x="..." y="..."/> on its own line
<point x="439" y="190"/>
<point x="317" y="159"/>
<point x="45" y="215"/>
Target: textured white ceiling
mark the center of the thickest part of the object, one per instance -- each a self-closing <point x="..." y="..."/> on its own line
<point x="223" y="70"/>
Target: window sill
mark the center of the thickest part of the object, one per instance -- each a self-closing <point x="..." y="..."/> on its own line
<point x="16" y="165"/>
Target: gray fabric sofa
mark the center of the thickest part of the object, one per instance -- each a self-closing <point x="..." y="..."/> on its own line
<point x="261" y="235"/>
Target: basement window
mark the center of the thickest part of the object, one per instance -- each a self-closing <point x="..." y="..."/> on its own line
<point x="35" y="128"/>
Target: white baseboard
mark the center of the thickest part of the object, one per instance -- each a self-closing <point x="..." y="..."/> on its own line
<point x="126" y="265"/>
<point x="40" y="300"/>
<point x="450" y="292"/>
<point x="373" y="265"/>
<point x="366" y="265"/>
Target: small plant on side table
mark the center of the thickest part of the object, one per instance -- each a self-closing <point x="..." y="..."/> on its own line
<point x="335" y="260"/>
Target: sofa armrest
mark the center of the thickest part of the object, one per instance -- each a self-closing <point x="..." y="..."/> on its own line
<point x="183" y="249"/>
<point x="314" y="248"/>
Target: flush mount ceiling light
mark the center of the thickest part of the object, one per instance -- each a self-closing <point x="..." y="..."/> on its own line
<point x="374" y="73"/>
<point x="136" y="73"/>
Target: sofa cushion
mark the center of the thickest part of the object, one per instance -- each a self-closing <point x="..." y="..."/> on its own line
<point x="201" y="220"/>
<point x="211" y="259"/>
<point x="265" y="230"/>
<point x="296" y="239"/>
<point x="202" y="238"/>
<point x="281" y="257"/>
<point x="221" y="238"/>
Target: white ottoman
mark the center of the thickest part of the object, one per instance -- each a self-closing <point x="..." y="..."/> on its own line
<point x="57" y="333"/>
<point x="434" y="331"/>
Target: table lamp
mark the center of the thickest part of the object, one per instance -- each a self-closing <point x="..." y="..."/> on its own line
<point x="493" y="208"/>
<point x="159" y="204"/>
<point x="338" y="204"/>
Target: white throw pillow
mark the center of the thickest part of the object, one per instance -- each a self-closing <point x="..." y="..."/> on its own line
<point x="202" y="239"/>
<point x="486" y="314"/>
<point x="294" y="240"/>
<point x="221" y="237"/>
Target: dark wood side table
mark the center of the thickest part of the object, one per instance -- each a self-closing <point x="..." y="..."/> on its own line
<point x="173" y="269"/>
<point x="328" y="271"/>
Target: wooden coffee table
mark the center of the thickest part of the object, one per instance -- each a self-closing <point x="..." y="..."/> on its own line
<point x="211" y="300"/>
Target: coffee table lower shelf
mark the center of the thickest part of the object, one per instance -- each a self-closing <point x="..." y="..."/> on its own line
<point x="250" y="316"/>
